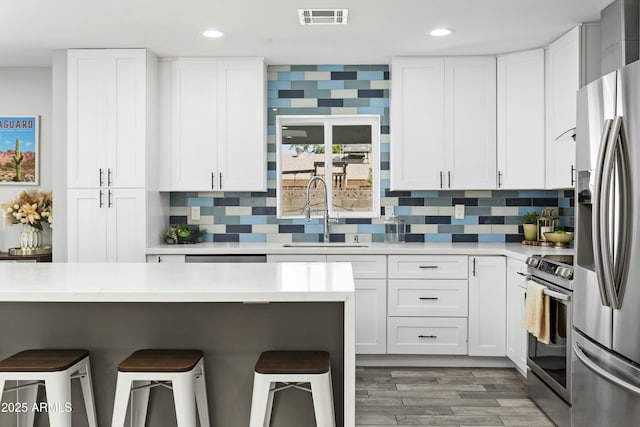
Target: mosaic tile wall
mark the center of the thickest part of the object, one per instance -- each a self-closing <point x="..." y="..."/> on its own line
<point x="490" y="216"/>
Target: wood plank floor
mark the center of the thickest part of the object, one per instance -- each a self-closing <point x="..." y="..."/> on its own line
<point x="444" y="397"/>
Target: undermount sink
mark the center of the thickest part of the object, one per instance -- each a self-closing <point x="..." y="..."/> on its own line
<point x="325" y="245"/>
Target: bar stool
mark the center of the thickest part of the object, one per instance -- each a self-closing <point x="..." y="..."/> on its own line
<point x="54" y="369"/>
<point x="292" y="368"/>
<point x="179" y="370"/>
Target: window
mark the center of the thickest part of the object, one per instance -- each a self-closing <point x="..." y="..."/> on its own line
<point x="343" y="151"/>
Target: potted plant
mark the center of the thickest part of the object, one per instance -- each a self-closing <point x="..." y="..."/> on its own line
<point x="530" y="226"/>
<point x="183" y="233"/>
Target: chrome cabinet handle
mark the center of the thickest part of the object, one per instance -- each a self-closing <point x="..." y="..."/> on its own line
<point x="429" y="298"/>
<point x="428" y="266"/>
<point x="109" y="177"/>
<point x="213" y="180"/>
<point x="499" y="179"/>
<point x="441" y="179"/>
<point x="474" y="267"/>
<point x="427" y="336"/>
<point x="159" y="258"/>
<point x="109" y="204"/>
<point x="220" y="180"/>
<point x="100" y="176"/>
<point x="449" y="175"/>
<point x="573" y="173"/>
<point x="101" y="202"/>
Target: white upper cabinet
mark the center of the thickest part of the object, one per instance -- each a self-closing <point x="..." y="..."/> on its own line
<point x="470" y="105"/>
<point x="443" y="123"/>
<point x="521" y="137"/>
<point x="572" y="61"/>
<point x="107" y="118"/>
<point x="213" y="124"/>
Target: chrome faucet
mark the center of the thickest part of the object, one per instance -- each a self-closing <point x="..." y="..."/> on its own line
<point x="307" y="213"/>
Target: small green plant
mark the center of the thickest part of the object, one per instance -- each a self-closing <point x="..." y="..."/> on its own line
<point x="184" y="233"/>
<point x="530" y="217"/>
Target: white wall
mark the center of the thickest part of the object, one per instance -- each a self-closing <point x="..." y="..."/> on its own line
<point x="27" y="91"/>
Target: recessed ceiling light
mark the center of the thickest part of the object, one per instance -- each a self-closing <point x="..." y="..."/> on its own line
<point x="212" y="34"/>
<point x="441" y="32"/>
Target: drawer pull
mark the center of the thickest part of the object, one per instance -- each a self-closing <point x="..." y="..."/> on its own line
<point x="427" y="336"/>
<point x="430" y="298"/>
<point x="428" y="266"/>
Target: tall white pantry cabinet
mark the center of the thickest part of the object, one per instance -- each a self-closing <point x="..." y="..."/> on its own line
<point x="108" y="129"/>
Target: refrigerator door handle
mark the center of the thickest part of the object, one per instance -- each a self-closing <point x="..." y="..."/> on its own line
<point x="599" y="370"/>
<point x="597" y="209"/>
<point x="623" y="222"/>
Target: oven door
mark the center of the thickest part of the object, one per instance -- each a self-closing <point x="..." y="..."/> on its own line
<point x="552" y="362"/>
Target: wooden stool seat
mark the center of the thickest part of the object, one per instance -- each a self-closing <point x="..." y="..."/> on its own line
<point x="160" y="360"/>
<point x="293" y="362"/>
<point x="42" y="360"/>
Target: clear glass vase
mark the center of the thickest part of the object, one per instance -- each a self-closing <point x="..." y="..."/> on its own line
<point x="30" y="237"/>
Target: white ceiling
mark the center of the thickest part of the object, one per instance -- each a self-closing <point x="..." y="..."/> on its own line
<point x="31" y="29"/>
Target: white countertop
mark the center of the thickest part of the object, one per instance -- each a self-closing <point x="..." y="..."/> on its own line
<point x="514" y="250"/>
<point x="141" y="282"/>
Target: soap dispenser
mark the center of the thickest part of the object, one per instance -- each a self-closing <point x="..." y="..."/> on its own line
<point x="394" y="226"/>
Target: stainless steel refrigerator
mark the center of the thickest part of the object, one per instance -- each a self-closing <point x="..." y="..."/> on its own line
<point x="606" y="287"/>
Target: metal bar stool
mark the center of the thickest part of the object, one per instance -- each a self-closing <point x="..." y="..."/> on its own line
<point x="179" y="370"/>
<point x="53" y="369"/>
<point x="293" y="369"/>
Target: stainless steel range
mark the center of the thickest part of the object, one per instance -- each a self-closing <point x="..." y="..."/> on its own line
<point x="549" y="375"/>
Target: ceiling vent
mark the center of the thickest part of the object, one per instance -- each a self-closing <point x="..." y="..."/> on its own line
<point x="323" y="16"/>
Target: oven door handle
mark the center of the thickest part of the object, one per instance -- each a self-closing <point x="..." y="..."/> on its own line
<point x="557" y="295"/>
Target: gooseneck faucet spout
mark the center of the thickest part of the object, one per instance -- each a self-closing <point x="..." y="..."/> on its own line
<point x="307" y="213"/>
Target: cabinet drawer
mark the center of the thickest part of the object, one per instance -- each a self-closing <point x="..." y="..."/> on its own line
<point x="364" y="266"/>
<point x="428" y="267"/>
<point x="438" y="298"/>
<point x="296" y="258"/>
<point x="426" y="335"/>
<point x="165" y="258"/>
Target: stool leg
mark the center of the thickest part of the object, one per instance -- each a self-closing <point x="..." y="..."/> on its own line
<point x="140" y="404"/>
<point x="184" y="398"/>
<point x="322" y="393"/>
<point x="259" y="400"/>
<point x="121" y="400"/>
<point x="201" y="395"/>
<point x="1" y="388"/>
<point x="87" y="393"/>
<point x="267" y="417"/>
<point x="29" y="396"/>
<point x="58" y="386"/>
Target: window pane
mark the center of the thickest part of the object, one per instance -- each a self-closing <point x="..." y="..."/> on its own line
<point x="302" y="150"/>
<point x="351" y="172"/>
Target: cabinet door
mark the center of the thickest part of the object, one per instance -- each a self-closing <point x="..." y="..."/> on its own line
<point x="194" y="130"/>
<point x="470" y="111"/>
<point x="418" y="123"/>
<point x="487" y="306"/>
<point x="88" y="105"/>
<point x="371" y="316"/>
<point x="563" y="81"/>
<point x="516" y="334"/>
<point x="87" y="226"/>
<point x="127" y="114"/>
<point x="242" y="148"/>
<point x="126" y="240"/>
<point x="521" y="120"/>
<point x="106" y="117"/>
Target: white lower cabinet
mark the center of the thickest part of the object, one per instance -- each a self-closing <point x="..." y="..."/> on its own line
<point x="104" y="225"/>
<point x="487" y="306"/>
<point x="427" y="304"/>
<point x="370" y="281"/>
<point x="427" y="335"/>
<point x="516" y="333"/>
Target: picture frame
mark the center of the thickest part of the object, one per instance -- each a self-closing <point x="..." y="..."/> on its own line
<point x="19" y="150"/>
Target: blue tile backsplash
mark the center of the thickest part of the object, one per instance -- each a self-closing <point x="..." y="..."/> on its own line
<point x="490" y="216"/>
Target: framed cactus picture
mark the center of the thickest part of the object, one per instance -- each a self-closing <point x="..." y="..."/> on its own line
<point x="19" y="150"/>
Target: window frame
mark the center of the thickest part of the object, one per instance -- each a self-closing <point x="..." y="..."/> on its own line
<point x="328" y="121"/>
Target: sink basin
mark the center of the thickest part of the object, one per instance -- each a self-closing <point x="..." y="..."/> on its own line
<point x="325" y="245"/>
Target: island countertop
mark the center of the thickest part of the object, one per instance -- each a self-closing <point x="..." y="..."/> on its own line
<point x="141" y="282"/>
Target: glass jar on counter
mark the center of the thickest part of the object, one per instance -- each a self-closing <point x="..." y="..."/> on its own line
<point x="394" y="227"/>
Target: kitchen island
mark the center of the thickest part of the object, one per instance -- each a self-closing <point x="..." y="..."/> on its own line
<point x="231" y="312"/>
